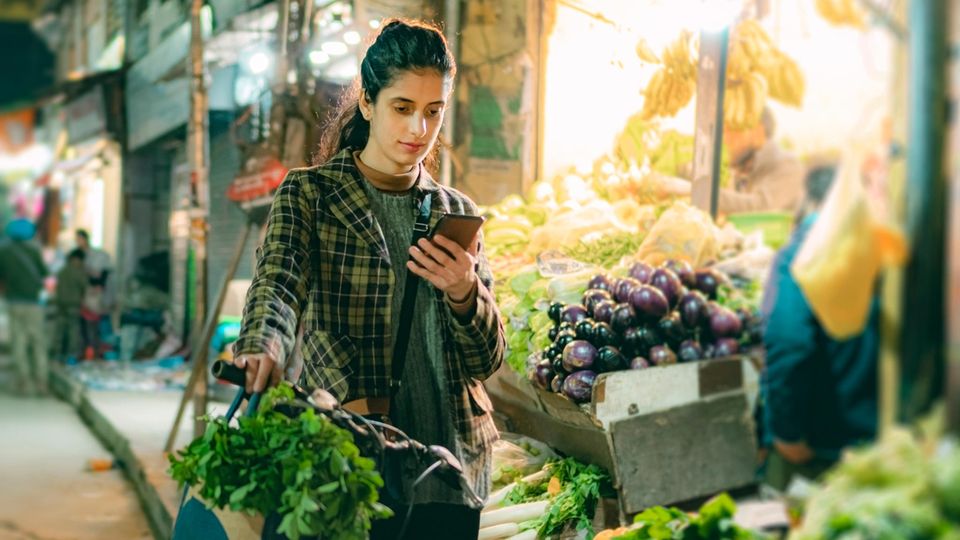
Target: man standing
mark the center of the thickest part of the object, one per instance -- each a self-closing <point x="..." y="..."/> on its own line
<point x="21" y="274"/>
<point x="99" y="299"/>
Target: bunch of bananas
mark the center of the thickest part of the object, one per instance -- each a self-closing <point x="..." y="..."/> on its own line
<point x="842" y="12"/>
<point x="673" y="85"/>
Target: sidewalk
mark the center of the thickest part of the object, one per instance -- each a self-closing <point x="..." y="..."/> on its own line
<point x="47" y="493"/>
<point x="134" y="426"/>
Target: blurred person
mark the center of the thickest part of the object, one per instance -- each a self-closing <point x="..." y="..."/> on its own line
<point x="336" y="260"/>
<point x="72" y="283"/>
<point x="99" y="300"/>
<point x="819" y="394"/>
<point x="22" y="272"/>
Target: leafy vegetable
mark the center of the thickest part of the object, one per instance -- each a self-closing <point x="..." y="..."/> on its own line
<point x="714" y="521"/>
<point x="305" y="469"/>
<point x="607" y="250"/>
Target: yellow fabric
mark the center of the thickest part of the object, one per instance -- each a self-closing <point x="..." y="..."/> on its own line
<point x="839" y="262"/>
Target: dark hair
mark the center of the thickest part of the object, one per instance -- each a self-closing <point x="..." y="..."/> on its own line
<point x="401" y="45"/>
<point x="83" y="234"/>
<point x="76" y="253"/>
<point x="817" y="183"/>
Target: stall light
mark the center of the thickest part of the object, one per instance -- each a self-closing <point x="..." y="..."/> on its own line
<point x="258" y="63"/>
<point x="351" y="37"/>
<point x="334" y="48"/>
<point x="374" y="23"/>
<point x="318" y="58"/>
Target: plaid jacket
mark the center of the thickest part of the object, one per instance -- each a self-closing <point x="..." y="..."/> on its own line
<point x="324" y="266"/>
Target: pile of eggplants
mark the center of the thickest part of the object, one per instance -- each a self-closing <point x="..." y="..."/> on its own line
<point x="652" y="317"/>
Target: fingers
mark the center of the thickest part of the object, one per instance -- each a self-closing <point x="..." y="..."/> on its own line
<point x="252" y="367"/>
<point x="259" y="370"/>
<point x="264" y="374"/>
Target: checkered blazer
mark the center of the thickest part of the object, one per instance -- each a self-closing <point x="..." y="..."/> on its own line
<point x="324" y="266"/>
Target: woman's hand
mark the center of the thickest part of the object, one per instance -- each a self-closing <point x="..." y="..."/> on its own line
<point x="262" y="371"/>
<point x="797" y="453"/>
<point x="446" y="265"/>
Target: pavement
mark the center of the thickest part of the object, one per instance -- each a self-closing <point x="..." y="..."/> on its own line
<point x="47" y="492"/>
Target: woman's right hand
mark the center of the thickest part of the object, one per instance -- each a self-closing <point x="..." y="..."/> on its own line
<point x="261" y="369"/>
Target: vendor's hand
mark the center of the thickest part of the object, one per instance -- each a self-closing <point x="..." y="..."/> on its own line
<point x="446" y="265"/>
<point x="797" y="453"/>
<point x="262" y="371"/>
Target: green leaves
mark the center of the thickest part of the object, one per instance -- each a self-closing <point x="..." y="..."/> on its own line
<point x="714" y="521"/>
<point x="305" y="469"/>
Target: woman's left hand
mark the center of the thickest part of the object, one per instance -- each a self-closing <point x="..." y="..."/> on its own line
<point x="446" y="265"/>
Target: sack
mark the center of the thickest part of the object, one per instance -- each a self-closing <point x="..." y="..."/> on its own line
<point x="840" y="260"/>
<point x="684" y="233"/>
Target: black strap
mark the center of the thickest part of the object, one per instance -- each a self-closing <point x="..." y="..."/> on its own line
<point x="420" y="230"/>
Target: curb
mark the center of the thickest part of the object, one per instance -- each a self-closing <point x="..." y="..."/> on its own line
<point x="74" y="393"/>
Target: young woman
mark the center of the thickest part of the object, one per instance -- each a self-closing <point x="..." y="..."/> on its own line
<point x="335" y="260"/>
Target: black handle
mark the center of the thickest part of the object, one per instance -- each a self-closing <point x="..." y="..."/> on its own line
<point x="229" y="372"/>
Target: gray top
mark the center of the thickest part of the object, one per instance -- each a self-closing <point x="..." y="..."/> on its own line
<point x="421" y="407"/>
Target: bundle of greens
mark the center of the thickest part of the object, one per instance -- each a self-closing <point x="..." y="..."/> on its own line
<point x="303" y="468"/>
<point x="714" y="521"/>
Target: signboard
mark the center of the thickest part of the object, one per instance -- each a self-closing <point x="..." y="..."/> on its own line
<point x="16" y="131"/>
<point x="259" y="184"/>
<point x="85" y="116"/>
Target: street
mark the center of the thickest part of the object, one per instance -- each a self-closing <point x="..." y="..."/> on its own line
<point x="47" y="492"/>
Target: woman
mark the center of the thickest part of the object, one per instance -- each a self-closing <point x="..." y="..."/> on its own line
<point x="335" y="259"/>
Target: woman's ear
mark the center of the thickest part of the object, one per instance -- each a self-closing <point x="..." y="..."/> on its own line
<point x="366" y="108"/>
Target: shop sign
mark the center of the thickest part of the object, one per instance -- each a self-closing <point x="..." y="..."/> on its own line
<point x="85" y="116"/>
<point x="260" y="183"/>
<point x="16" y="131"/>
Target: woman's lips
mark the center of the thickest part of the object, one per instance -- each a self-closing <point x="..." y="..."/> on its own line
<point x="411" y="147"/>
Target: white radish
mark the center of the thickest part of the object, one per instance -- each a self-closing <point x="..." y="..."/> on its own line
<point x="499" y="495"/>
<point x="517" y="513"/>
<point x="529" y="534"/>
<point x="502" y="530"/>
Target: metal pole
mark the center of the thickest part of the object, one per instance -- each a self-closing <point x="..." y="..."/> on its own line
<point x="198" y="136"/>
<point x="451" y="29"/>
<point x="922" y="337"/>
<point x="708" y="132"/>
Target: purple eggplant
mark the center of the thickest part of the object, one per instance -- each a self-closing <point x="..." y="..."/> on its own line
<point x="625" y="287"/>
<point x="573" y="314"/>
<point x="623" y="317"/>
<point x="693" y="309"/>
<point x="639" y="362"/>
<point x="671" y="329"/>
<point x="662" y="355"/>
<point x="579" y="386"/>
<point x="641" y="272"/>
<point x="556" y="385"/>
<point x="543" y="374"/>
<point x="603" y="334"/>
<point x="709" y="281"/>
<point x="683" y="270"/>
<point x="609" y="358"/>
<point x="579" y="354"/>
<point x="725" y="323"/>
<point x="601" y="281"/>
<point x="726" y="347"/>
<point x="555" y="310"/>
<point x="668" y="283"/>
<point x="690" y="351"/>
<point x="593" y="296"/>
<point x="586" y="330"/>
<point x="649" y="302"/>
<point x="603" y="310"/>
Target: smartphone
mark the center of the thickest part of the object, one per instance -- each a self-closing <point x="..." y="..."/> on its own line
<point x="460" y="228"/>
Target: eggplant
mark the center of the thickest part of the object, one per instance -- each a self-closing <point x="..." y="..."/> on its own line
<point x="601" y="281"/>
<point x="632" y="341"/>
<point x="641" y="272"/>
<point x="593" y="296"/>
<point x="543" y="374"/>
<point x="662" y="355"/>
<point x="671" y="329"/>
<point x="573" y="313"/>
<point x="639" y="362"/>
<point x="557" y="365"/>
<point x="579" y="386"/>
<point x="690" y="351"/>
<point x="650" y="336"/>
<point x="649" y="302"/>
<point x="668" y="283"/>
<point x="579" y="354"/>
<point x="586" y="330"/>
<point x="564" y="338"/>
<point x="625" y="287"/>
<point x="683" y="270"/>
<point x="709" y="281"/>
<point x="552" y="351"/>
<point x="693" y="309"/>
<point x="552" y="333"/>
<point x="726" y="347"/>
<point x="609" y="358"/>
<point x="556" y="385"/>
<point x="603" y="334"/>
<point x="554" y="311"/>
<point x="603" y="311"/>
<point x="623" y="317"/>
<point x="566" y="326"/>
<point x="725" y="323"/>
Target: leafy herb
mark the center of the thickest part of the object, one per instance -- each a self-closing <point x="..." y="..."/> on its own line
<point x="581" y="487"/>
<point x="606" y="251"/>
<point x="714" y="521"/>
<point x="305" y="469"/>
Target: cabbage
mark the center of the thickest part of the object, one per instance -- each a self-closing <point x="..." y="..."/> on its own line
<point x="521" y="282"/>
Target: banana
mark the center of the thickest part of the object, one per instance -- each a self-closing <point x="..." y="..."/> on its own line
<point x="645" y="53"/>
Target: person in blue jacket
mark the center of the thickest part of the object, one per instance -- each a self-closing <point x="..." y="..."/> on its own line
<point x="819" y="394"/>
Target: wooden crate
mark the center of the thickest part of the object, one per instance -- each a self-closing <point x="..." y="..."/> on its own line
<point x="666" y="434"/>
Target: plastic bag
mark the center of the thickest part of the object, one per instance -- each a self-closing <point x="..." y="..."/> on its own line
<point x="516" y="456"/>
<point x="838" y="264"/>
<point x="682" y="232"/>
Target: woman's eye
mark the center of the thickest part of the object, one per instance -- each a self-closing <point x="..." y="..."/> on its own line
<point x="433" y="112"/>
<point x="401" y="110"/>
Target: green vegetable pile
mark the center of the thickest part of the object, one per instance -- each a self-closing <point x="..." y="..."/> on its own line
<point x="305" y="469"/>
<point x="714" y="521"/>
<point x="901" y="488"/>
<point x="580" y="489"/>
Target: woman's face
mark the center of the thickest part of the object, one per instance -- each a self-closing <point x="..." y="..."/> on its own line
<point x="405" y="120"/>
